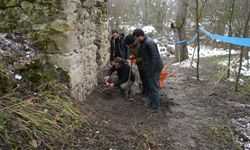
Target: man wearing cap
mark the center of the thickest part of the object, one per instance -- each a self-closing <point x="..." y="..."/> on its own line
<point x="136" y="57"/>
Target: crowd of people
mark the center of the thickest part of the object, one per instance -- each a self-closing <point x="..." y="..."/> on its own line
<point x="139" y="49"/>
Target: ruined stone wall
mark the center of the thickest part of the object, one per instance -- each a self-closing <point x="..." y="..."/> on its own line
<point x="72" y="34"/>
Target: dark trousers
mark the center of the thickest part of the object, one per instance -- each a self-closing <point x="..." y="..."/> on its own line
<point x="154" y="89"/>
<point x="144" y="80"/>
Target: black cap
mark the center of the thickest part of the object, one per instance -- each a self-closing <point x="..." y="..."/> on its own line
<point x="129" y="39"/>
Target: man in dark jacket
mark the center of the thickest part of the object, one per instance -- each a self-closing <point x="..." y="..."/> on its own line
<point x="153" y="65"/>
<point x="123" y="71"/>
<point x="136" y="55"/>
<point x="117" y="46"/>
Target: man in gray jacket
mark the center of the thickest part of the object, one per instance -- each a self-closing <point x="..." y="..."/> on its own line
<point x="153" y="65"/>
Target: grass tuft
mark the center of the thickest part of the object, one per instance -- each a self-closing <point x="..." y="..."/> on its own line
<point x="38" y="120"/>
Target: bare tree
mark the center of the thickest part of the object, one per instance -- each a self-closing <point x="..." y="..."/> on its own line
<point x="246" y="28"/>
<point x="230" y="34"/>
<point x="179" y="28"/>
<point x="198" y="40"/>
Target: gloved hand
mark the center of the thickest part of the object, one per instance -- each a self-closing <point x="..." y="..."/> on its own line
<point x="133" y="61"/>
<point x="111" y="85"/>
<point x="131" y="57"/>
<point x="106" y="78"/>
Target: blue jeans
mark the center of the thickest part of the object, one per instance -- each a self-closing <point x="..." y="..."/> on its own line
<point x="154" y="89"/>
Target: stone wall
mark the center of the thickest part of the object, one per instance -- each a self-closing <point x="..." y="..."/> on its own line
<point x="71" y="33"/>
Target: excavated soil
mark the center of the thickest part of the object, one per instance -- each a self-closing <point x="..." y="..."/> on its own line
<point x="193" y="115"/>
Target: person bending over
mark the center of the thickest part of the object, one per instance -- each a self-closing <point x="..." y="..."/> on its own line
<point x="121" y="80"/>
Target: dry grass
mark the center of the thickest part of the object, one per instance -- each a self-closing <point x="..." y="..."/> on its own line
<point x="39" y="120"/>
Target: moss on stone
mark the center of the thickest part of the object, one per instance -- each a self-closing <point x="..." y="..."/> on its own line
<point x="24" y="26"/>
<point x="60" y="26"/>
<point x="43" y="40"/>
<point x="27" y="7"/>
<point x="13" y="14"/>
<point x="38" y="16"/>
<point x="7" y="27"/>
<point x="7" y="3"/>
<point x="39" y="72"/>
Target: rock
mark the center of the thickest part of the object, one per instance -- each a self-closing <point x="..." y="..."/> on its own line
<point x="72" y="35"/>
<point x="87" y="3"/>
<point x="13" y="14"/>
<point x="7" y="3"/>
<point x="27" y="7"/>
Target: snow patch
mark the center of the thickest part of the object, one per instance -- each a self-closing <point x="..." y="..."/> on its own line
<point x="242" y="125"/>
<point x="231" y="79"/>
<point x="245" y="70"/>
<point x="149" y="29"/>
<point x="201" y="79"/>
<point x="185" y="64"/>
<point x="206" y="51"/>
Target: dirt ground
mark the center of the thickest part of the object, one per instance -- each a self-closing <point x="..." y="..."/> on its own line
<point x="193" y="116"/>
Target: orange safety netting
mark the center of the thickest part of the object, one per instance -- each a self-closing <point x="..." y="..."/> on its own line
<point x="165" y="75"/>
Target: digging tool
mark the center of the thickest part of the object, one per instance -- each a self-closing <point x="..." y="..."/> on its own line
<point x="129" y="76"/>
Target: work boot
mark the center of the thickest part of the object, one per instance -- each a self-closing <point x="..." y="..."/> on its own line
<point x="152" y="109"/>
<point x="123" y="92"/>
<point x="129" y="99"/>
<point x="147" y="101"/>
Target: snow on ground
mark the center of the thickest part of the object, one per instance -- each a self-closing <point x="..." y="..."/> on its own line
<point x="185" y="64"/>
<point x="206" y="51"/>
<point x="242" y="125"/>
<point x="245" y="71"/>
<point x="149" y="29"/>
<point x="128" y="29"/>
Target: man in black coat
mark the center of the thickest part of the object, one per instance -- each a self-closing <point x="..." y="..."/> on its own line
<point x="117" y="46"/>
<point x="136" y="55"/>
<point x="122" y="80"/>
<point x="153" y="65"/>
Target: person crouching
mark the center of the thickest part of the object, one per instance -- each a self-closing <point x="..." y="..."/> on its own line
<point x="124" y="78"/>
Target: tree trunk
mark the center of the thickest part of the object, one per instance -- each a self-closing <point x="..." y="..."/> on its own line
<point x="198" y="40"/>
<point x="117" y="23"/>
<point x="230" y="34"/>
<point x="145" y="14"/>
<point x="181" y="51"/>
<point x="246" y="53"/>
<point x="239" y="71"/>
<point x="246" y="28"/>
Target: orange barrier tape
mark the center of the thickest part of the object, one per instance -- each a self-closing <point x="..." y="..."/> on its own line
<point x="165" y="75"/>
